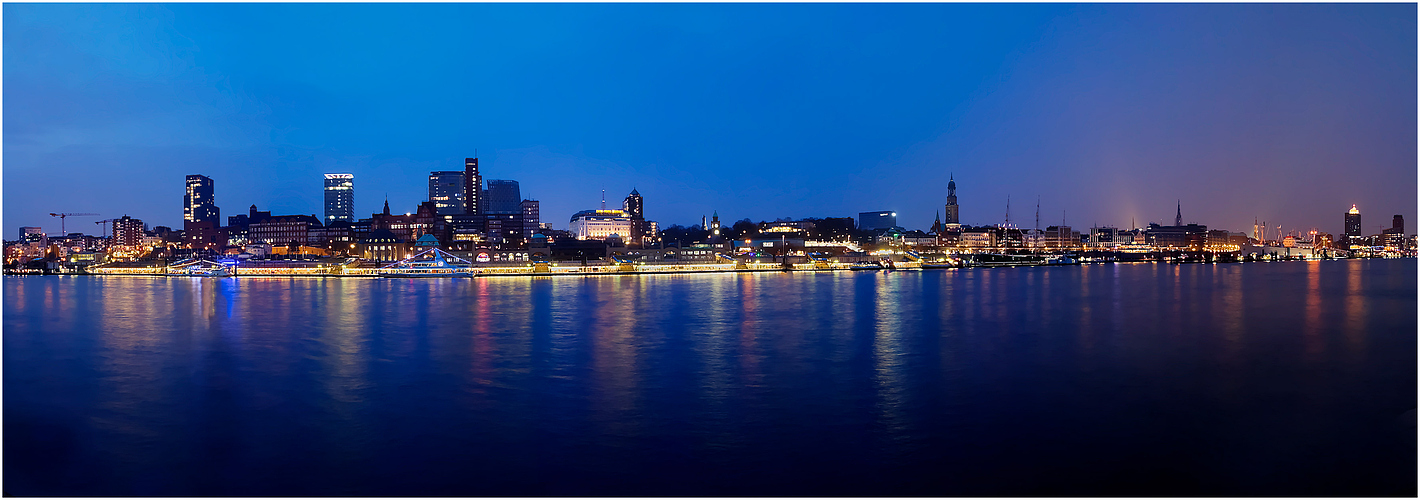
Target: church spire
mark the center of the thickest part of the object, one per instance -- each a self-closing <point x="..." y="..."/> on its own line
<point x="387" y="205"/>
<point x="1178" y="217"/>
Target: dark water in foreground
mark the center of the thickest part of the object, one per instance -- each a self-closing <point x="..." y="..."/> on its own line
<point x="1239" y="379"/>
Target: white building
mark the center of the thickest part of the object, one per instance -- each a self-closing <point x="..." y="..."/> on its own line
<point x="600" y="224"/>
<point x="978" y="239"/>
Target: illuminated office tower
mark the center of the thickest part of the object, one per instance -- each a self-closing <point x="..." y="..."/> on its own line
<point x="198" y="205"/>
<point x="1353" y="225"/>
<point x="446" y="190"/>
<point x="472" y="187"/>
<point x="339" y="198"/>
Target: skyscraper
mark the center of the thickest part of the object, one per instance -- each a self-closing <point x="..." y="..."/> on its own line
<point x="634" y="208"/>
<point x="633" y="205"/>
<point x="199" y="205"/>
<point x="446" y="190"/>
<point x="1397" y="224"/>
<point x="953" y="214"/>
<point x="531" y="217"/>
<point x="1353" y="225"/>
<point x="503" y="197"/>
<point x="339" y="198"/>
<point x="472" y="187"/>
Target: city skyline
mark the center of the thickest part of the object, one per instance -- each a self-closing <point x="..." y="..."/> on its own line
<point x="1291" y="121"/>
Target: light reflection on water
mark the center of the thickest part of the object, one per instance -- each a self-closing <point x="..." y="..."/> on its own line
<point x="1083" y="380"/>
<point x="1355" y="308"/>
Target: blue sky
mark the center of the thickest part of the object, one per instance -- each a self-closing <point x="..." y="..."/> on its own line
<point x="1107" y="113"/>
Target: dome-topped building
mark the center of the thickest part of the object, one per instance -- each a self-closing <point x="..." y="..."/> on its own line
<point x="628" y="224"/>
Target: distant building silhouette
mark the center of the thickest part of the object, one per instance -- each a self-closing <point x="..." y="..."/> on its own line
<point x="503" y="197"/>
<point x="872" y="221"/>
<point x="1180" y="236"/>
<point x="953" y="211"/>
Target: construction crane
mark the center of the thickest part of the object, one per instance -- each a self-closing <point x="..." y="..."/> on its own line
<point x="103" y="224"/>
<point x="62" y="216"/>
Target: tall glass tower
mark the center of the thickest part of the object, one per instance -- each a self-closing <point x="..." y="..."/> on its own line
<point x="446" y="190"/>
<point x="339" y="198"/>
<point x="634" y="205"/>
<point x="503" y="197"/>
<point x="472" y="187"/>
<point x="198" y="204"/>
<point x="1353" y="224"/>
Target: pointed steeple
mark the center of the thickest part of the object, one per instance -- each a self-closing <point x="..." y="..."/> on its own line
<point x="387" y="205"/>
<point x="1178" y="217"/>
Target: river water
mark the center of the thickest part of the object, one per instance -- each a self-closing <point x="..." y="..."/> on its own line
<point x="1290" y="378"/>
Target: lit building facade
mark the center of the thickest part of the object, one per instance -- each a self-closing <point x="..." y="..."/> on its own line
<point x="1060" y="237"/>
<point x="339" y="198"/>
<point x="504" y="230"/>
<point x="282" y="229"/>
<point x="446" y="190"/>
<point x="127" y="231"/>
<point x="1178" y="237"/>
<point x="600" y="224"/>
<point x="532" y="218"/>
<point x="199" y="204"/>
<point x="1353" y="226"/>
<point x="472" y="187"/>
<point x="408" y="227"/>
<point x="383" y="245"/>
<point x="977" y="238"/>
<point x="1104" y="237"/>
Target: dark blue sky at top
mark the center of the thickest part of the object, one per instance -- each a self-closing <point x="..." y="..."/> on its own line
<point x="1108" y="113"/>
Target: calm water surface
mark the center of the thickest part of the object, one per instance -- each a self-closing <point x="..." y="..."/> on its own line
<point x="1240" y="379"/>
